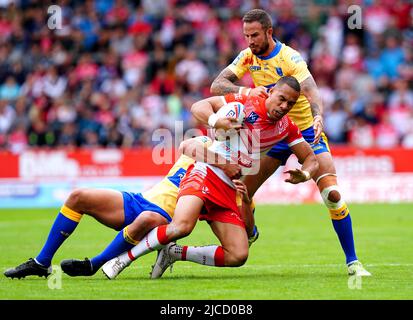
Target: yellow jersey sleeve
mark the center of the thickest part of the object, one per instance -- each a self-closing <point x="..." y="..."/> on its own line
<point x="294" y="64"/>
<point x="241" y="63"/>
<point x="164" y="193"/>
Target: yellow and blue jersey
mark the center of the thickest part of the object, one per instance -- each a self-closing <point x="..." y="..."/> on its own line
<point x="161" y="198"/>
<point x="266" y="71"/>
<point x="165" y="192"/>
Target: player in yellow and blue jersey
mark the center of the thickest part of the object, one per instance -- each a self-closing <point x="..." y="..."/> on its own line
<point x="267" y="60"/>
<point x="133" y="214"/>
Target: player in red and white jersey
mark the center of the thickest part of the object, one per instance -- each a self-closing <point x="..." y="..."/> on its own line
<point x="207" y="193"/>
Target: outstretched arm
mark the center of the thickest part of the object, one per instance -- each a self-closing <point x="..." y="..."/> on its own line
<point x="309" y="163"/>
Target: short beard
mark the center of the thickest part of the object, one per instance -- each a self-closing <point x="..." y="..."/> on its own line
<point x="264" y="49"/>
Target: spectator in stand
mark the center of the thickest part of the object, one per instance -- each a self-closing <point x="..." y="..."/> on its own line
<point x="361" y="133"/>
<point x="10" y="89"/>
<point x="151" y="58"/>
<point x="7" y="116"/>
<point x="335" y="122"/>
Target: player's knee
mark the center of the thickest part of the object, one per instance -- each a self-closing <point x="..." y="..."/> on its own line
<point x="144" y="223"/>
<point x="150" y="220"/>
<point x="76" y="199"/>
<point x="334" y="202"/>
<point x="236" y="258"/>
<point x="180" y="229"/>
<point x="334" y="196"/>
<point x="331" y="195"/>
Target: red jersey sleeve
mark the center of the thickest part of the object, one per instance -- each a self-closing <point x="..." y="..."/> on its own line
<point x="235" y="97"/>
<point x="294" y="134"/>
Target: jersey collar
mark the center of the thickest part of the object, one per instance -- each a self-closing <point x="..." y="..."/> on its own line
<point x="262" y="110"/>
<point x="274" y="51"/>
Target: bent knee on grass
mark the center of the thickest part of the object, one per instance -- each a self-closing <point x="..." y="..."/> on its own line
<point x="235" y="258"/>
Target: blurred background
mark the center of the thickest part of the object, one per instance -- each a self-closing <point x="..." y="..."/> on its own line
<point x="79" y="104"/>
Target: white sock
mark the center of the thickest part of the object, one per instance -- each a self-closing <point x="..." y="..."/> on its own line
<point x="205" y="255"/>
<point x="149" y="243"/>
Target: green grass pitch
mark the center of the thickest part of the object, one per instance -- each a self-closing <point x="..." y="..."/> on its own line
<point x="297" y="256"/>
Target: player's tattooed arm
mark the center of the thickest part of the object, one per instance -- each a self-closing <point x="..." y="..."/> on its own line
<point x="224" y="83"/>
<point x="310" y="90"/>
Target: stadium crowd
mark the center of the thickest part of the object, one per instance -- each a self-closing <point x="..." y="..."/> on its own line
<point x="116" y="70"/>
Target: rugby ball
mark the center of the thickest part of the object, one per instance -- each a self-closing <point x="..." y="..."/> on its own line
<point x="232" y="110"/>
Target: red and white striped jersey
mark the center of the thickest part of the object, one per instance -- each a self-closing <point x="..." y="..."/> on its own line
<point x="259" y="133"/>
<point x="267" y="132"/>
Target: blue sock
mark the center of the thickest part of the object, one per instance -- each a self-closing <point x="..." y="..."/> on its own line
<point x="62" y="227"/>
<point x="344" y="232"/>
<point x="122" y="242"/>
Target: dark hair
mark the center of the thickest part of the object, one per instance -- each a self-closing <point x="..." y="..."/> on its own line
<point x="260" y="16"/>
<point x="290" y="81"/>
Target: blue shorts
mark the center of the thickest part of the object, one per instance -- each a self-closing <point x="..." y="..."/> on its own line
<point x="282" y="151"/>
<point x="134" y="204"/>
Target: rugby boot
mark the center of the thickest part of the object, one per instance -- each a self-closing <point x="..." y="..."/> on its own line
<point x="164" y="260"/>
<point x="28" y="268"/>
<point x="74" y="267"/>
<point x="113" y="267"/>
<point x="356" y="269"/>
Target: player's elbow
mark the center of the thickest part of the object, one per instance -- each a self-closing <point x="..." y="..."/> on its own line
<point x="195" y="109"/>
<point x="214" y="88"/>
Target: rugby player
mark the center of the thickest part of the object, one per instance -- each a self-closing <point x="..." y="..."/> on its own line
<point x="206" y="193"/>
<point x="268" y="60"/>
<point x="133" y="214"/>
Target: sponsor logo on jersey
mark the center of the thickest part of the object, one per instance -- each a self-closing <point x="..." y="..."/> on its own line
<point x="238" y="58"/>
<point x="282" y="125"/>
<point x="252" y="117"/>
<point x="297" y="58"/>
<point x="255" y="68"/>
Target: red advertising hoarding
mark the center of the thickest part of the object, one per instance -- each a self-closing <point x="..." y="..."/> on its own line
<point x="148" y="162"/>
<point x="371" y="175"/>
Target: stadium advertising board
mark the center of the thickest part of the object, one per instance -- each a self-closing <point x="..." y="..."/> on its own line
<point x="44" y="178"/>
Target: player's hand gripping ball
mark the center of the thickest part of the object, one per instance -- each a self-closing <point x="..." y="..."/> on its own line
<point x="230" y="119"/>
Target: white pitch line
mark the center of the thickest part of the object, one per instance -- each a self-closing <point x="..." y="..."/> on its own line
<point x="267" y="266"/>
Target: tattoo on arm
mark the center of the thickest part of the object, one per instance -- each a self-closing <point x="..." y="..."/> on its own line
<point x="224" y="83"/>
<point x="310" y="90"/>
<point x="315" y="109"/>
